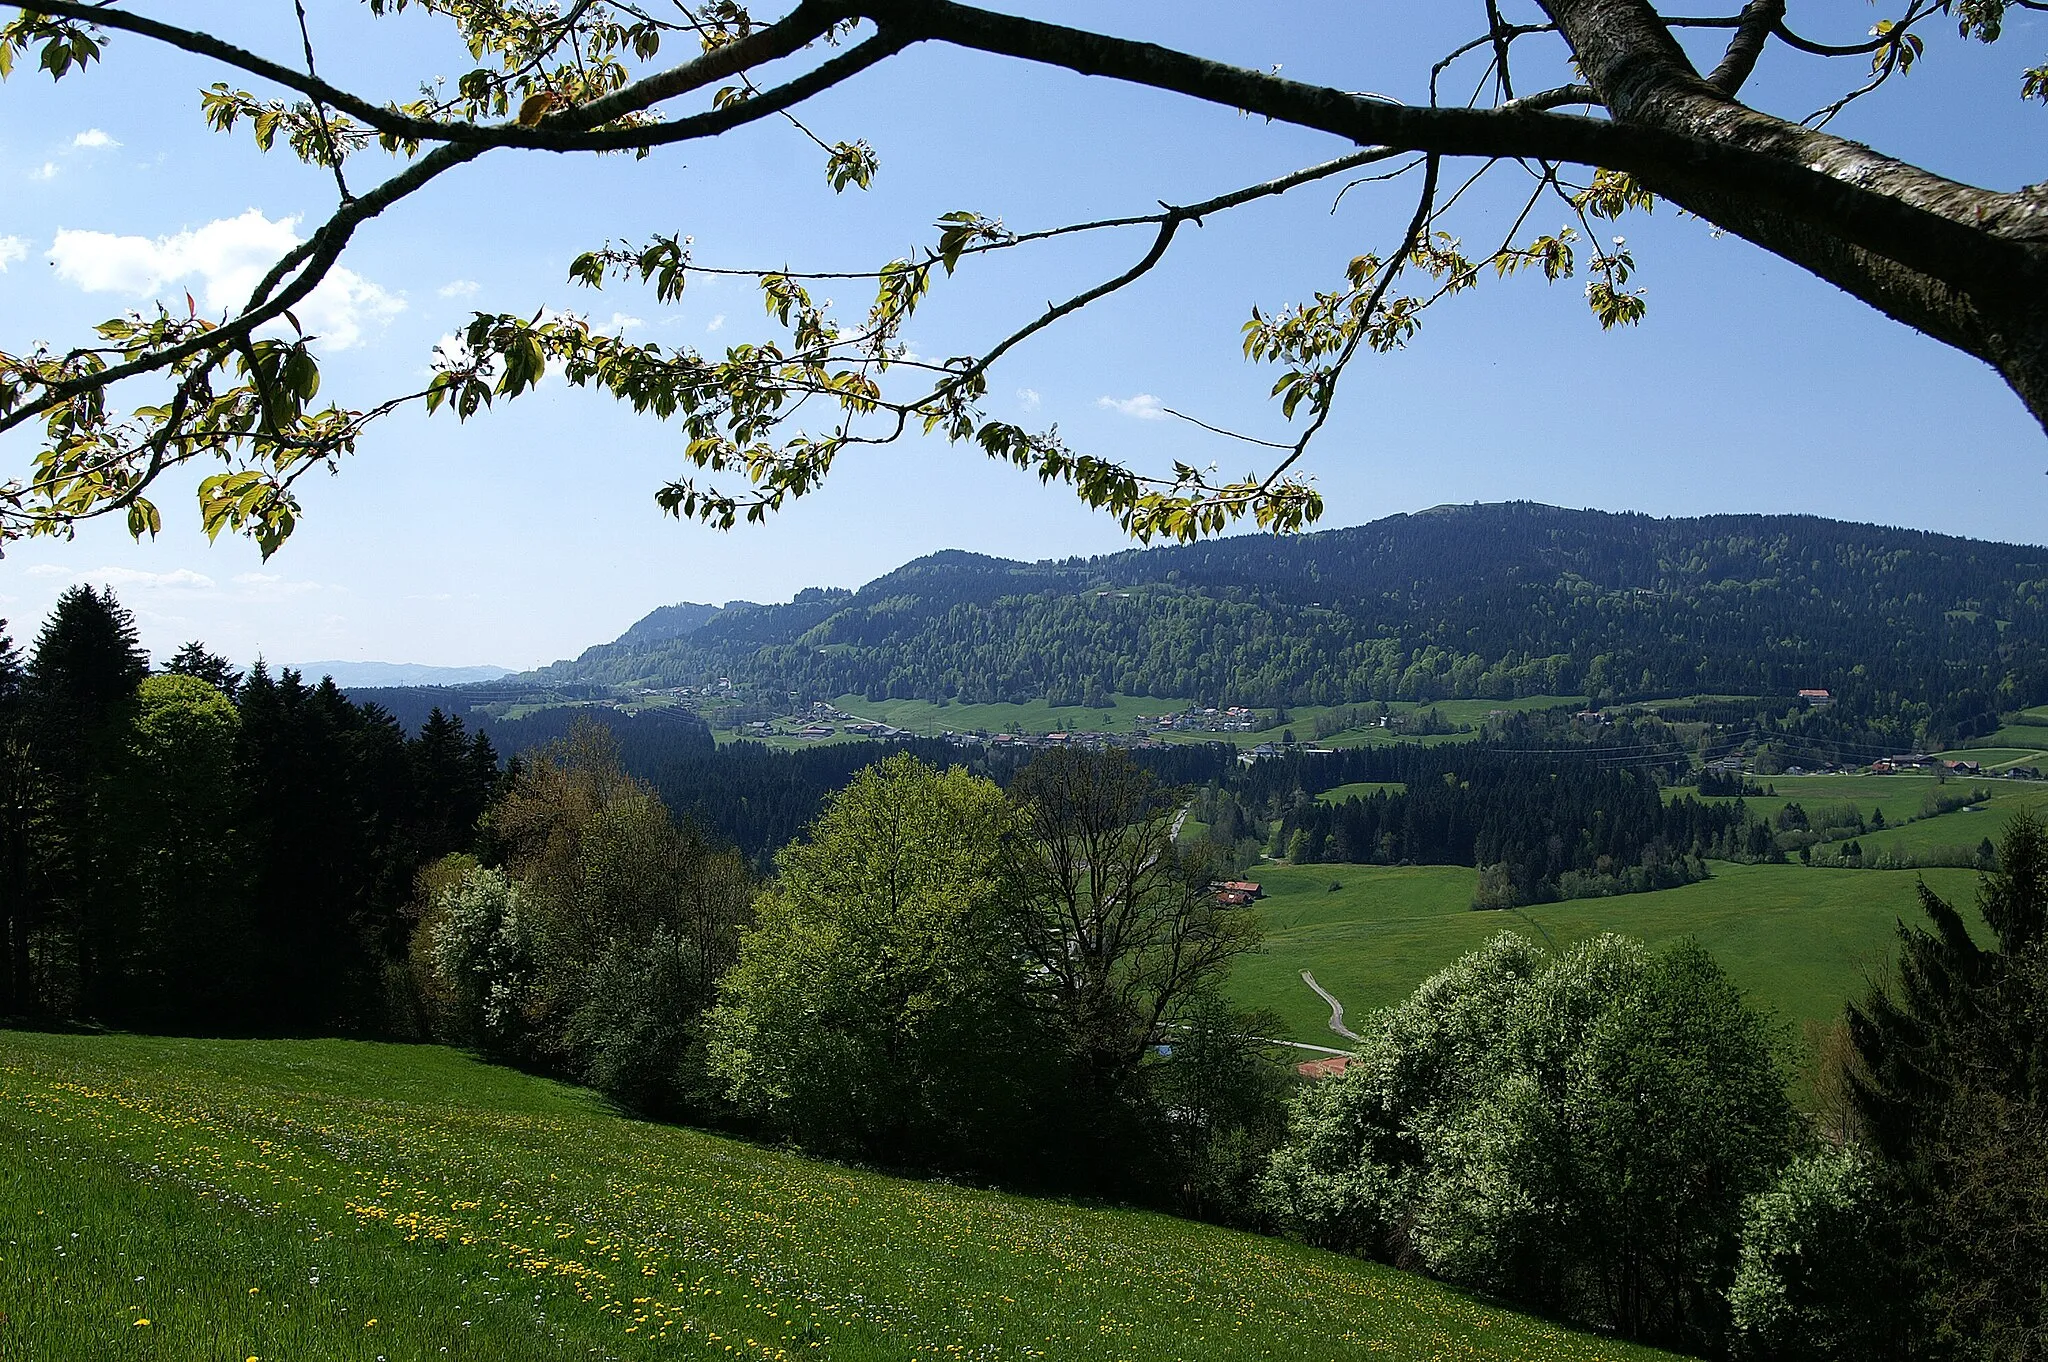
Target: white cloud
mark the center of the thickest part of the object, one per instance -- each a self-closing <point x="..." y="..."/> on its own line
<point x="619" y="325"/>
<point x="459" y="288"/>
<point x="1028" y="398"/>
<point x="715" y="323"/>
<point x="224" y="258"/>
<point x="12" y="248"/>
<point x="177" y="579"/>
<point x="271" y="586"/>
<point x="1144" y="406"/>
<point x="48" y="171"/>
<point x="93" y="139"/>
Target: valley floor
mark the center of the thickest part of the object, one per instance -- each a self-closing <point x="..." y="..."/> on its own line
<point x="1800" y="940"/>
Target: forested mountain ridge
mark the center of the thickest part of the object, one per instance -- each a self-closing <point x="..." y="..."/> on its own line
<point x="1489" y="601"/>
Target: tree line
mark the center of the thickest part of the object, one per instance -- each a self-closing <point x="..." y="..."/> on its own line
<point x="203" y="850"/>
<point x="940" y="976"/>
<point x="1539" y="828"/>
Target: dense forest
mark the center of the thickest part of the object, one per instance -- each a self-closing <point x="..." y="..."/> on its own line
<point x="751" y="796"/>
<point x="200" y="849"/>
<point x="1482" y="601"/>
<point x="1538" y="830"/>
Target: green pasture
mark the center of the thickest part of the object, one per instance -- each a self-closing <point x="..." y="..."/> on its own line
<point x="781" y="742"/>
<point x="1683" y="701"/>
<point x="1902" y="797"/>
<point x="1963" y="828"/>
<point x="1991" y="758"/>
<point x="1800" y="940"/>
<point x="2012" y="742"/>
<point x="335" y="1201"/>
<point x="1363" y="789"/>
<point x="1035" y="716"/>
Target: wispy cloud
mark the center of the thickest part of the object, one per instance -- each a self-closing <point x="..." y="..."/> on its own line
<point x="715" y="323"/>
<point x="271" y="586"/>
<point x="459" y="288"/>
<point x="1028" y="398"/>
<point x="47" y="171"/>
<point x="12" y="248"/>
<point x="92" y="139"/>
<point x="133" y="579"/>
<point x="224" y="258"/>
<point x="1145" y="407"/>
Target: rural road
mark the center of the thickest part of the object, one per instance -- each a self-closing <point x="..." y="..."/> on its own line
<point x="1336" y="1008"/>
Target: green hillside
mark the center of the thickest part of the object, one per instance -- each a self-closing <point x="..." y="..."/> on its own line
<point x="1800" y="940"/>
<point x="1453" y="603"/>
<point x="166" y="1199"/>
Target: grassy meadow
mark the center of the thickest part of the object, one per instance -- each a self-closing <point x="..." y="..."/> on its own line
<point x="1036" y="716"/>
<point x="1362" y="789"/>
<point x="1800" y="940"/>
<point x="1964" y="828"/>
<point x="344" y="1201"/>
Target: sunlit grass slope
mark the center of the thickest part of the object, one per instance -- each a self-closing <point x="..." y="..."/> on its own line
<point x="329" y="1200"/>
<point x="1800" y="940"/>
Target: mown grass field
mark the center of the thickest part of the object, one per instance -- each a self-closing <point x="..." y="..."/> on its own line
<point x="1901" y="797"/>
<point x="1962" y="828"/>
<point x="1800" y="940"/>
<point x="335" y="1201"/>
<point x="1036" y="716"/>
<point x="923" y="716"/>
<point x="1363" y="789"/>
<point x="2027" y="736"/>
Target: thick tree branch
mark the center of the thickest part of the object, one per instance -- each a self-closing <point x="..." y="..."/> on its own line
<point x="1988" y="299"/>
<point x="1759" y="18"/>
<point x="1938" y="227"/>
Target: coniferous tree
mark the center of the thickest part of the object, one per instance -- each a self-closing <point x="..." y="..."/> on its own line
<point x="17" y="794"/>
<point x="314" y="853"/>
<point x="81" y="679"/>
<point x="1952" y="1090"/>
<point x="194" y="660"/>
<point x="181" y="866"/>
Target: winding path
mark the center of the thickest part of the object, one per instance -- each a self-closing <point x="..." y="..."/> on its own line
<point x="1336" y="1008"/>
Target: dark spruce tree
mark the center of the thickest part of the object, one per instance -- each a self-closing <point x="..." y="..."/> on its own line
<point x="1952" y="1091"/>
<point x="194" y="660"/>
<point x="81" y="680"/>
<point x="17" y="797"/>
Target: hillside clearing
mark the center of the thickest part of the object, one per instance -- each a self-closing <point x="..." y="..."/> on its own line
<point x="168" y="1199"/>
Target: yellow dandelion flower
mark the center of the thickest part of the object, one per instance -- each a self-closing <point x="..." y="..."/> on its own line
<point x="140" y="1322"/>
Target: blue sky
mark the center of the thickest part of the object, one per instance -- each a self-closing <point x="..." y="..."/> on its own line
<point x="531" y="532"/>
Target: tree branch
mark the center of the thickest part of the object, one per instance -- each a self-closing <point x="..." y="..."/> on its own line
<point x="1759" y="18"/>
<point x="804" y="25"/>
<point x="1867" y="199"/>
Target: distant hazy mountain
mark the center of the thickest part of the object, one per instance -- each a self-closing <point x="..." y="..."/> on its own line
<point x="348" y="674"/>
